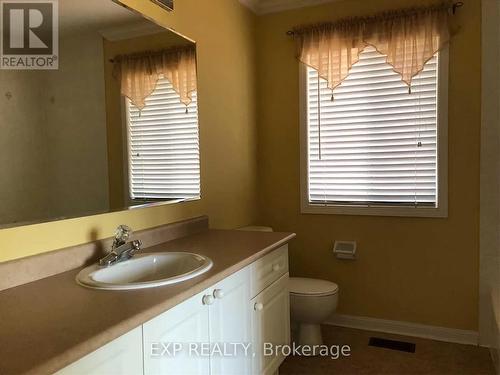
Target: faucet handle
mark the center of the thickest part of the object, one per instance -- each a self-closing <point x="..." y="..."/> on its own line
<point x="122" y="234"/>
<point x="136" y="245"/>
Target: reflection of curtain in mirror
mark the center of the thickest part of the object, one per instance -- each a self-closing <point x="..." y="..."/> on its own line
<point x="139" y="73"/>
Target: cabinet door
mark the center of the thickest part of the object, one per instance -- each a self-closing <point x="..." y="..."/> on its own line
<point x="185" y="324"/>
<point x="230" y="325"/>
<point x="271" y="324"/>
<point x="122" y="356"/>
<point x="268" y="269"/>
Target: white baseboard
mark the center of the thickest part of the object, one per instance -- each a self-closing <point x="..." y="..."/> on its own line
<point x="459" y="336"/>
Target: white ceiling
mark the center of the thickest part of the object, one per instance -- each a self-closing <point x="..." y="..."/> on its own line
<point x="273" y="6"/>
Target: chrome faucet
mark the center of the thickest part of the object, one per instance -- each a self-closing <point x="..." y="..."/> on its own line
<point x="121" y="250"/>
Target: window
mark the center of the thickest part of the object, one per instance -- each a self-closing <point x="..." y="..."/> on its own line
<point x="371" y="147"/>
<point x="163" y="147"/>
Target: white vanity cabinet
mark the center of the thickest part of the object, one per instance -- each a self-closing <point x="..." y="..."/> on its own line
<point x="242" y="311"/>
<point x="167" y="337"/>
<point x="271" y="325"/>
<point x="270" y="308"/>
<point x="122" y="356"/>
<point x="230" y="323"/>
<point x="206" y="323"/>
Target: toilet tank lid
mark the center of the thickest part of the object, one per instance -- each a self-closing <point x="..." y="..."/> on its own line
<point x="257" y="228"/>
<point x="316" y="287"/>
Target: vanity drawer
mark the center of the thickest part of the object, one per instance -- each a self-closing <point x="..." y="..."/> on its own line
<point x="269" y="269"/>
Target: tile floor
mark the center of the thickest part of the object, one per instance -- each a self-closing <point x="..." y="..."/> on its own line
<point x="430" y="357"/>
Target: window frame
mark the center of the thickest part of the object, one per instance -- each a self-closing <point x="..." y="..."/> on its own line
<point x="441" y="211"/>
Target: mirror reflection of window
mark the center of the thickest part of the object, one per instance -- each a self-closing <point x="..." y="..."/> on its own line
<point x="152" y="118"/>
<point x="64" y="144"/>
<point x="163" y="146"/>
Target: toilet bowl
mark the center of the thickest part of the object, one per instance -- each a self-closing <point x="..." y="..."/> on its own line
<point x="312" y="301"/>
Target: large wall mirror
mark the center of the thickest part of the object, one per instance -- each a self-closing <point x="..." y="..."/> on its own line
<point x="115" y="126"/>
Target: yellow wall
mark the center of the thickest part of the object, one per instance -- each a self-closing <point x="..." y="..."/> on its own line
<point x="224" y="31"/>
<point x="409" y="269"/>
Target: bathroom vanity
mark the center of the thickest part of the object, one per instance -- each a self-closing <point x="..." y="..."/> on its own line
<point x="243" y="299"/>
<point x="249" y="307"/>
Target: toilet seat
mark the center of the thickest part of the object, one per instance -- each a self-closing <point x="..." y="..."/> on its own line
<point x="303" y="286"/>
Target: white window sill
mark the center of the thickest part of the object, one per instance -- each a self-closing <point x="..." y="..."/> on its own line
<point x="440" y="212"/>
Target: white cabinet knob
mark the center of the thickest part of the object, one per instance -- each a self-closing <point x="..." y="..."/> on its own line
<point x="276" y="267"/>
<point x="208" y="299"/>
<point x="218" y="293"/>
<point x="258" y="306"/>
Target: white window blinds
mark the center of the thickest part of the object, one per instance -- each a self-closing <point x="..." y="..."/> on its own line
<point x="372" y="142"/>
<point x="163" y="147"/>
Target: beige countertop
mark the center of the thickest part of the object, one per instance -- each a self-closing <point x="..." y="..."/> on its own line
<point x="47" y="324"/>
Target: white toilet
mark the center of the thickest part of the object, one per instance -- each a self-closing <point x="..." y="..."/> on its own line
<point x="312" y="301"/>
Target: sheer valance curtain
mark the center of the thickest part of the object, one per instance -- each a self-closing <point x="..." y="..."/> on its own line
<point x="409" y="38"/>
<point x="139" y="73"/>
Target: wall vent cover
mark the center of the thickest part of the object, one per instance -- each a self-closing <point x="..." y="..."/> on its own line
<point x="166" y="4"/>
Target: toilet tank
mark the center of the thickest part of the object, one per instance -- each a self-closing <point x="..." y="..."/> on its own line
<point x="256" y="228"/>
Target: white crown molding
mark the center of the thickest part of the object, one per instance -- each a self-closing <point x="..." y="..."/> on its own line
<point x="459" y="336"/>
<point x="131" y="31"/>
<point x="273" y="6"/>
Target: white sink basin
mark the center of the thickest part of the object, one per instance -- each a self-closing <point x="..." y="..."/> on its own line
<point x="145" y="271"/>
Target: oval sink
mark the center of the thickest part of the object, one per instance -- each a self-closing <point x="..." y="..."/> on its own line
<point x="145" y="271"/>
